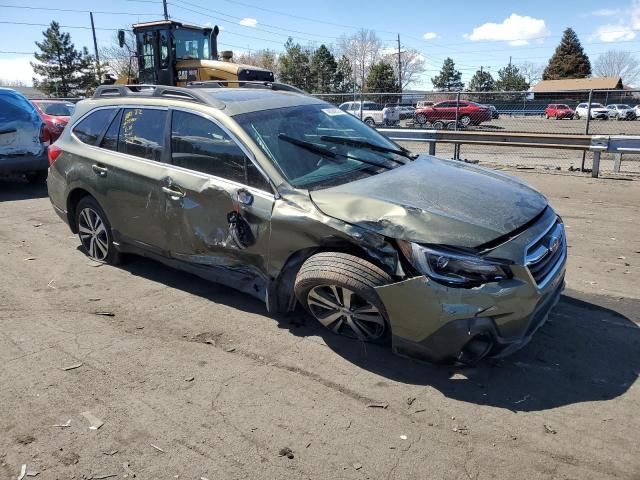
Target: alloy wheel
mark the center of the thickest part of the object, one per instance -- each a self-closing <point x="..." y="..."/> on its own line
<point x="345" y="312"/>
<point x="93" y="234"/>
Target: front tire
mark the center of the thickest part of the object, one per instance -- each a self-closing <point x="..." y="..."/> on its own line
<point x="370" y="121"/>
<point x="421" y="119"/>
<point x="94" y="231"/>
<point x="337" y="289"/>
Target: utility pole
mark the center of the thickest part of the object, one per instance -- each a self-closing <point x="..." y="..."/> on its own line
<point x="399" y="65"/>
<point x="509" y="61"/>
<point x="166" y="14"/>
<point x="95" y="47"/>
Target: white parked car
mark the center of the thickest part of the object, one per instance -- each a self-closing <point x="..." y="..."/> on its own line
<point x="621" y="111"/>
<point x="637" y="110"/>
<point x="598" y="111"/>
<point x="371" y="111"/>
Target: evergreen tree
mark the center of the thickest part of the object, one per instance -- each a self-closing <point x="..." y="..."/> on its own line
<point x="569" y="59"/>
<point x="343" y="80"/>
<point x="482" y="81"/>
<point x="323" y="68"/>
<point x="295" y="66"/>
<point x="511" y="80"/>
<point x="381" y="78"/>
<point x="449" y="79"/>
<point x="65" y="71"/>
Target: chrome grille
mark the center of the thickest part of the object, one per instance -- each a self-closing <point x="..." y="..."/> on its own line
<point x="546" y="253"/>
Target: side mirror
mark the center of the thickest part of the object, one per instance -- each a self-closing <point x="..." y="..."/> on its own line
<point x="121" y="38"/>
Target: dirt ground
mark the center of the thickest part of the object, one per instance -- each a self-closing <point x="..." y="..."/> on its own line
<point x="193" y="380"/>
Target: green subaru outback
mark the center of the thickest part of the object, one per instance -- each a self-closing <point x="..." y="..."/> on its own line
<point x="292" y="200"/>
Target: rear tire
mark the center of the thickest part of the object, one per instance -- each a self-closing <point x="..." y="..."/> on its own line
<point x="370" y="121"/>
<point x="465" y="120"/>
<point x="37" y="178"/>
<point x="437" y="125"/>
<point x="337" y="289"/>
<point x="94" y="232"/>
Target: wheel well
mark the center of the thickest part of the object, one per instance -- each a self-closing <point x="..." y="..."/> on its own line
<point x="72" y="201"/>
<point x="281" y="296"/>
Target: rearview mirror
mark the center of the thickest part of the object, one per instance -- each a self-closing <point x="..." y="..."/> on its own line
<point x="121" y="38"/>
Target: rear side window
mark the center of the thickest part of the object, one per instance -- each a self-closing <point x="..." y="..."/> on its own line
<point x="92" y="126"/>
<point x="110" y="139"/>
<point x="200" y="145"/>
<point x="142" y="133"/>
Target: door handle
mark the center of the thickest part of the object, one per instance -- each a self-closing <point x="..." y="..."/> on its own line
<point x="101" y="171"/>
<point x="173" y="193"/>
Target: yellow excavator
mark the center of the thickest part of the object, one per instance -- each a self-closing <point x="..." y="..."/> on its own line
<point x="175" y="53"/>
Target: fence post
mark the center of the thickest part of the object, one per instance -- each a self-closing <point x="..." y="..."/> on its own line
<point x="432" y="148"/>
<point x="457" y="110"/>
<point x="617" y="160"/>
<point x="586" y="128"/>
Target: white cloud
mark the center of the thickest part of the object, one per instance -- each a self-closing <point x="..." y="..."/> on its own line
<point x="430" y="35"/>
<point x="606" y="12"/>
<point x="16" y="69"/>
<point x="515" y="29"/>
<point x="248" y="22"/>
<point x="613" y="33"/>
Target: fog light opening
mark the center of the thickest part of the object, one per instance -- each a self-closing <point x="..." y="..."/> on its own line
<point x="475" y="350"/>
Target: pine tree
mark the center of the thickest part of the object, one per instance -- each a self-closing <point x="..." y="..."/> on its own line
<point x="381" y="78"/>
<point x="323" y="68"/>
<point x="343" y="80"/>
<point x="569" y="59"/>
<point x="449" y="79"/>
<point x="65" y="71"/>
<point x="482" y="81"/>
<point x="294" y="66"/>
<point x="511" y="80"/>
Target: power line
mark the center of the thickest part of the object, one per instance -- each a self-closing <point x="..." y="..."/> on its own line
<point x="71" y="10"/>
<point x="48" y="25"/>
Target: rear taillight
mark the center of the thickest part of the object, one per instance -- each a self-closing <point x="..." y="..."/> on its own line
<point x="53" y="153"/>
<point x="45" y="135"/>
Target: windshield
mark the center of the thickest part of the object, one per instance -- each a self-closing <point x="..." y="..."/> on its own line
<point x="57" y="109"/>
<point x="319" y="125"/>
<point x="192" y="44"/>
<point x="596" y="105"/>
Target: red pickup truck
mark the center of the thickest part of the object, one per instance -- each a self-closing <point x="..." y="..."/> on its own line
<point x="469" y="113"/>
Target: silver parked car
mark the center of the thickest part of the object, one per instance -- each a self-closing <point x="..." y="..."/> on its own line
<point x="621" y="111"/>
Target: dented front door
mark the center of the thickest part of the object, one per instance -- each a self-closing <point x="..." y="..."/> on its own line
<point x="214" y="218"/>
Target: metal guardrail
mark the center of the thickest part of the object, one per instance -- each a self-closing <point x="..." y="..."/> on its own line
<point x="597" y="144"/>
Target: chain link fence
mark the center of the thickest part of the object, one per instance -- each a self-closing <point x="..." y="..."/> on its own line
<point x="587" y="112"/>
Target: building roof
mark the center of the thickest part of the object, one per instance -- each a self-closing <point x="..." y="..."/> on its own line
<point x="573" y="84"/>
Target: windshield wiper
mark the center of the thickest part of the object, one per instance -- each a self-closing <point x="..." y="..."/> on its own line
<point x="312" y="147"/>
<point x="371" y="146"/>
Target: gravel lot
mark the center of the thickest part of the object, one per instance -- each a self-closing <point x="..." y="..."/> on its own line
<point x="193" y="380"/>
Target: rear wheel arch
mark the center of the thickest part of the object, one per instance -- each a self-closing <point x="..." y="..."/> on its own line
<point x="73" y="199"/>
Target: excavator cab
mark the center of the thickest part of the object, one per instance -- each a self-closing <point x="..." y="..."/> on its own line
<point x="174" y="53"/>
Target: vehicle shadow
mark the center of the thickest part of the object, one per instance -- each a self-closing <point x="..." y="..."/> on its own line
<point x="17" y="188"/>
<point x="585" y="352"/>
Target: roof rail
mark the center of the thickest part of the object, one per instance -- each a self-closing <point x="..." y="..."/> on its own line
<point x="246" y="84"/>
<point x="158" y="91"/>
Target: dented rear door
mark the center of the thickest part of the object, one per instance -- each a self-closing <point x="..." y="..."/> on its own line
<point x="218" y="203"/>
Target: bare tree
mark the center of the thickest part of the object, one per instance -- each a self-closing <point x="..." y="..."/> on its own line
<point x="412" y="65"/>
<point x="618" y="63"/>
<point x="121" y="61"/>
<point x="532" y="72"/>
<point x="363" y="50"/>
<point x="12" y="83"/>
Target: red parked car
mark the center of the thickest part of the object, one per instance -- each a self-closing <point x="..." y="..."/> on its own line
<point x="469" y="113"/>
<point x="55" y="114"/>
<point x="558" y="111"/>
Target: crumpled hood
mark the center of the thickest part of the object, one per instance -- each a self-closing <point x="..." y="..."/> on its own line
<point x="431" y="200"/>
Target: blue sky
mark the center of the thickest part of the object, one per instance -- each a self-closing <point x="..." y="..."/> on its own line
<point x="473" y="33"/>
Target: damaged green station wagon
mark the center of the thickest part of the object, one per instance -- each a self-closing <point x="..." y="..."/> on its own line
<point x="291" y="200"/>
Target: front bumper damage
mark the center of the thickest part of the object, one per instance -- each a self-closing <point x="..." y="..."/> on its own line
<point x="433" y="322"/>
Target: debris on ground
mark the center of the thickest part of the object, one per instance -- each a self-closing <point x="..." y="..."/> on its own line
<point x="420" y="410"/>
<point x="95" y="422"/>
<point x="36" y="225"/>
<point x="189" y="379"/>
<point x="357" y="466"/>
<point x="230" y="349"/>
<point x="33" y="473"/>
<point x="23" y="471"/>
<point x="73" y="367"/>
<point x="111" y="453"/>
<point x="50" y="284"/>
<point x="410" y="400"/>
<point x="461" y="429"/>
<point x="549" y="429"/>
<point x="377" y="405"/>
<point x="95" y="299"/>
<point x="403" y="437"/>
<point x="286" y="452"/>
<point x="128" y="471"/>
<point x="29" y="258"/>
<point x="63" y="425"/>
<point x="157" y="448"/>
<point x="102" y="477"/>
<point x="105" y="314"/>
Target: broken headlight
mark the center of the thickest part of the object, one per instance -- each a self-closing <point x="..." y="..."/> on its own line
<point x="454" y="267"/>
